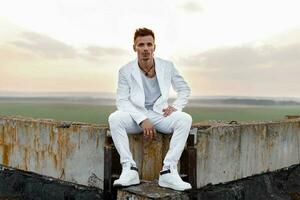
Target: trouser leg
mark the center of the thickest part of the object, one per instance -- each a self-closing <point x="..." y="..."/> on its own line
<point x="179" y="124"/>
<point x="121" y="123"/>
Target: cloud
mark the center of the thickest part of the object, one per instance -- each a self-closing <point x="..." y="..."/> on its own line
<point x="290" y="36"/>
<point x="45" y="46"/>
<point x="105" y="51"/>
<point x="50" y="48"/>
<point x="192" y="7"/>
<point x="96" y="53"/>
<point x="245" y="56"/>
<point x="265" y="70"/>
<point x="11" y="54"/>
<point x="288" y="54"/>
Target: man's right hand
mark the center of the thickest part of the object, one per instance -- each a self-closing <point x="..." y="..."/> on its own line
<point x="149" y="131"/>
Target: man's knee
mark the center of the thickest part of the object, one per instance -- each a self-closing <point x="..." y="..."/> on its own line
<point x="184" y="118"/>
<point x="116" y="118"/>
<point x="187" y="118"/>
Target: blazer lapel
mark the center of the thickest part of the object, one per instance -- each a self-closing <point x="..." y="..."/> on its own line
<point x="137" y="74"/>
<point x="160" y="75"/>
<point x="139" y="92"/>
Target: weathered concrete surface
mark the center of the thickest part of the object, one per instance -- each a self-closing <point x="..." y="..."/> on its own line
<point x="149" y="154"/>
<point x="149" y="190"/>
<point x="279" y="185"/>
<point x="21" y="185"/>
<point x="230" y="152"/>
<point x="293" y="183"/>
<point x="75" y="153"/>
<point x="71" y="153"/>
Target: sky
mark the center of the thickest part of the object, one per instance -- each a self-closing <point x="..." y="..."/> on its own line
<point x="221" y="47"/>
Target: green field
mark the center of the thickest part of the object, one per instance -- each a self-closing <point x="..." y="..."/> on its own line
<point x="99" y="114"/>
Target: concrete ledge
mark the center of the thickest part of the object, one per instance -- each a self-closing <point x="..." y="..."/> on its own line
<point x="231" y="152"/>
<point x="74" y="152"/>
<point x="149" y="190"/>
<point x="280" y="185"/>
<point x="67" y="151"/>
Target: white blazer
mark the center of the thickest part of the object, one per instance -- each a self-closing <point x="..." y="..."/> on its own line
<point x="130" y="92"/>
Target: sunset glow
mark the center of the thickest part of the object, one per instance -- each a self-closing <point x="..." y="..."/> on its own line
<point x="233" y="47"/>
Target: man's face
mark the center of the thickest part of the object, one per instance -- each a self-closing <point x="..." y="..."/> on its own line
<point x="144" y="46"/>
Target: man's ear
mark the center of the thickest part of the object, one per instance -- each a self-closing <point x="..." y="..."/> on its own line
<point x="154" y="47"/>
<point x="134" y="49"/>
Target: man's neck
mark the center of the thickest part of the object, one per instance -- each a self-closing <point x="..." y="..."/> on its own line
<point x="146" y="64"/>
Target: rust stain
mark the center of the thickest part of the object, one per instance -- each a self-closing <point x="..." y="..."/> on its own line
<point x="202" y="146"/>
<point x="90" y="133"/>
<point x="56" y="160"/>
<point x="35" y="125"/>
<point x="37" y="137"/>
<point x="76" y="128"/>
<point x="27" y="129"/>
<point x="62" y="174"/>
<point x="6" y="154"/>
<point x="97" y="141"/>
<point x="61" y="146"/>
<point x="7" y="138"/>
<point x="25" y="159"/>
<point x="36" y="141"/>
<point x="271" y="138"/>
<point x="43" y="155"/>
<point x="152" y="158"/>
<point x="2" y="138"/>
<point x="14" y="132"/>
<point x="51" y="140"/>
<point x="79" y="139"/>
<point x="65" y="147"/>
<point x="37" y="158"/>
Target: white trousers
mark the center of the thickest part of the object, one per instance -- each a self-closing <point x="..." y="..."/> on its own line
<point x="178" y="123"/>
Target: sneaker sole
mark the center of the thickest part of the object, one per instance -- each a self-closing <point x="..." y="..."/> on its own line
<point x="132" y="184"/>
<point x="124" y="186"/>
<point x="173" y="188"/>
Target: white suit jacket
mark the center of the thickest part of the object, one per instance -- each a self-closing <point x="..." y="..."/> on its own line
<point x="130" y="92"/>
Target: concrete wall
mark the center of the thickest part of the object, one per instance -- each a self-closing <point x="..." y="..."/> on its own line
<point x="76" y="154"/>
<point x="231" y="152"/>
<point x="73" y="154"/>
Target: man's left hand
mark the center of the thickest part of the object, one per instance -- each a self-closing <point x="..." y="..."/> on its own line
<point x="168" y="111"/>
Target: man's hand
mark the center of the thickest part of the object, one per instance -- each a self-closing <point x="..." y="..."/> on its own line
<point x="168" y="111"/>
<point x="149" y="131"/>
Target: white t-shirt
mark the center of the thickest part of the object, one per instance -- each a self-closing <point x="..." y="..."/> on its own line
<point x="151" y="89"/>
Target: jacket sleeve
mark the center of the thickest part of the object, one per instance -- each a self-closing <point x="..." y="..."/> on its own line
<point x="123" y="102"/>
<point x="181" y="87"/>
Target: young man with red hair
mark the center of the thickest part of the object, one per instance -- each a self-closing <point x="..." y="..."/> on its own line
<point x="142" y="94"/>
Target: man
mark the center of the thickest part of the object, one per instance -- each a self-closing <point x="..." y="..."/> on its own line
<point x="142" y="94"/>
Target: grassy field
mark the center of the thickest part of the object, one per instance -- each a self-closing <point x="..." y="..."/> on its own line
<point x="99" y="114"/>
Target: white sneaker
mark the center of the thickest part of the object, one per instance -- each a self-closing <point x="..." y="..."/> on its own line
<point x="129" y="176"/>
<point x="170" y="179"/>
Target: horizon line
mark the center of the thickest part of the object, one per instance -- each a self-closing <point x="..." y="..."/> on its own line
<point x="112" y="94"/>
